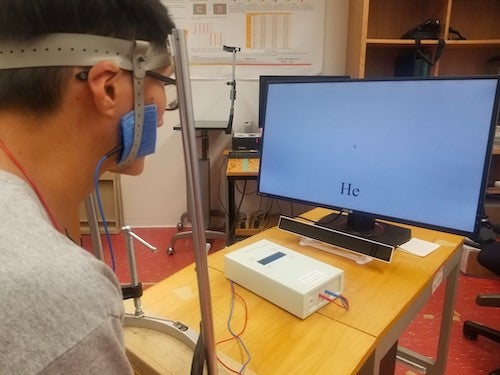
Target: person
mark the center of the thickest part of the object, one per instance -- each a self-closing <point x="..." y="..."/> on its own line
<point x="81" y="92"/>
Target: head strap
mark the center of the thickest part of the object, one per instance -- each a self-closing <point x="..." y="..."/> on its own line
<point x="79" y="50"/>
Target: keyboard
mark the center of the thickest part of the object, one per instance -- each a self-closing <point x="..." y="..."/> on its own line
<point x="244" y="154"/>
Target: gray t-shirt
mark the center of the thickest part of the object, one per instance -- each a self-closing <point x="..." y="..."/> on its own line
<point x="61" y="309"/>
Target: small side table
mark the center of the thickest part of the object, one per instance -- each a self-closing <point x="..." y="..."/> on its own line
<point x="238" y="169"/>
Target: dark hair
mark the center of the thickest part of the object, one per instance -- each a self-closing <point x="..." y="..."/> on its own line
<point x="40" y="89"/>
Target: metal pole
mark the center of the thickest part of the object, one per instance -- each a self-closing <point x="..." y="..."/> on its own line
<point x="132" y="264"/>
<point x="232" y="83"/>
<point x="95" y="234"/>
<point x="194" y="193"/>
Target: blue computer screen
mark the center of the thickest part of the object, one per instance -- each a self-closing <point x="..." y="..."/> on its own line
<point x="411" y="150"/>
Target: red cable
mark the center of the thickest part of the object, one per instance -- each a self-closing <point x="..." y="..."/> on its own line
<point x="344" y="301"/>
<point x="235" y="336"/>
<point x="32" y="184"/>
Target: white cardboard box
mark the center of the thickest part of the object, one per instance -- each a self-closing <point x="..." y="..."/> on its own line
<point x="470" y="266"/>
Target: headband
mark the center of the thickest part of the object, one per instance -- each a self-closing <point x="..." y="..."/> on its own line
<point x="63" y="49"/>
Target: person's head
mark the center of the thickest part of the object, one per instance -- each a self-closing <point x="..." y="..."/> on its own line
<point x="33" y="85"/>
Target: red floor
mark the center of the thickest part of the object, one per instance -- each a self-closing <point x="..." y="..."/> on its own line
<point x="465" y="357"/>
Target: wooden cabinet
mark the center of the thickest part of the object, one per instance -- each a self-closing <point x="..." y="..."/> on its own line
<point x="376" y="27"/>
<point x="111" y="198"/>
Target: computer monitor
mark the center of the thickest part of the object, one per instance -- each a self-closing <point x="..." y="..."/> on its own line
<point x="413" y="151"/>
<point x="266" y="79"/>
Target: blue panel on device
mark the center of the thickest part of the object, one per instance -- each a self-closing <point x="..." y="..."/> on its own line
<point x="271" y="258"/>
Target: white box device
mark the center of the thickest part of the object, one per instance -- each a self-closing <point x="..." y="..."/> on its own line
<point x="284" y="277"/>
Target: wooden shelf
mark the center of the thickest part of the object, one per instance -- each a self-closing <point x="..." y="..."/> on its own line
<point x="376" y="27"/>
<point x="493" y="190"/>
<point x="400" y="42"/>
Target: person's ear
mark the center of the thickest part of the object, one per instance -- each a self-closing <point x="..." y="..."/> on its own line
<point x="104" y="83"/>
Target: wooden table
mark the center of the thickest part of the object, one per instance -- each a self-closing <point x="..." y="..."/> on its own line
<point x="383" y="299"/>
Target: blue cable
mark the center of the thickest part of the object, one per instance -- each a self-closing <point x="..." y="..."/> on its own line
<point x="231" y="309"/>
<point x="339" y="296"/>
<point x="101" y="211"/>
<point x="329" y="292"/>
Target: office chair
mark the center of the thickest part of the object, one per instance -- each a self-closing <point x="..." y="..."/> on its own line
<point x="203" y="128"/>
<point x="209" y="234"/>
<point x="488" y="257"/>
<point x="204" y="169"/>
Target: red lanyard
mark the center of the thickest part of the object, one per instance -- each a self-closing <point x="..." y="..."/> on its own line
<point x="32" y="184"/>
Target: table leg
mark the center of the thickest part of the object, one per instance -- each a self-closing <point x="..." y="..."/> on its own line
<point x="231" y="213"/>
<point x="438" y="366"/>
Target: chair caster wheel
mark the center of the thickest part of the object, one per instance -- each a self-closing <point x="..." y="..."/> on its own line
<point x="180" y="226"/>
<point x="170" y="250"/>
<point x="469" y="332"/>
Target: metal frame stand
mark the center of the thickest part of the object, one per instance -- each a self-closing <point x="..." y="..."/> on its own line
<point x="177" y="329"/>
<point x="194" y="195"/>
<point x="173" y="328"/>
<point x="95" y="235"/>
<point x="232" y="83"/>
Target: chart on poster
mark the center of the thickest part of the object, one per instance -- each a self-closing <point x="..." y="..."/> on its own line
<point x="274" y="36"/>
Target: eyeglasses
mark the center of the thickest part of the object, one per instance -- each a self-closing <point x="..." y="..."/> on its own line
<point x="170" y="87"/>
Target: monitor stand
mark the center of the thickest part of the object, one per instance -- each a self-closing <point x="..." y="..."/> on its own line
<point x="365" y="226"/>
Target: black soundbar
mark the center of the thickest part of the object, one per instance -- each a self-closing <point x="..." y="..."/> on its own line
<point x="374" y="249"/>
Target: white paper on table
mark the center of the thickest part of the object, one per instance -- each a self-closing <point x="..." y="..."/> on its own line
<point x="419" y="247"/>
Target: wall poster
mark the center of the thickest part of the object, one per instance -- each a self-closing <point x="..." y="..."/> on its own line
<point x="275" y="36"/>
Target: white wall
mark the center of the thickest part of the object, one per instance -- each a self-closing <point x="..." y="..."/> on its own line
<point x="158" y="196"/>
